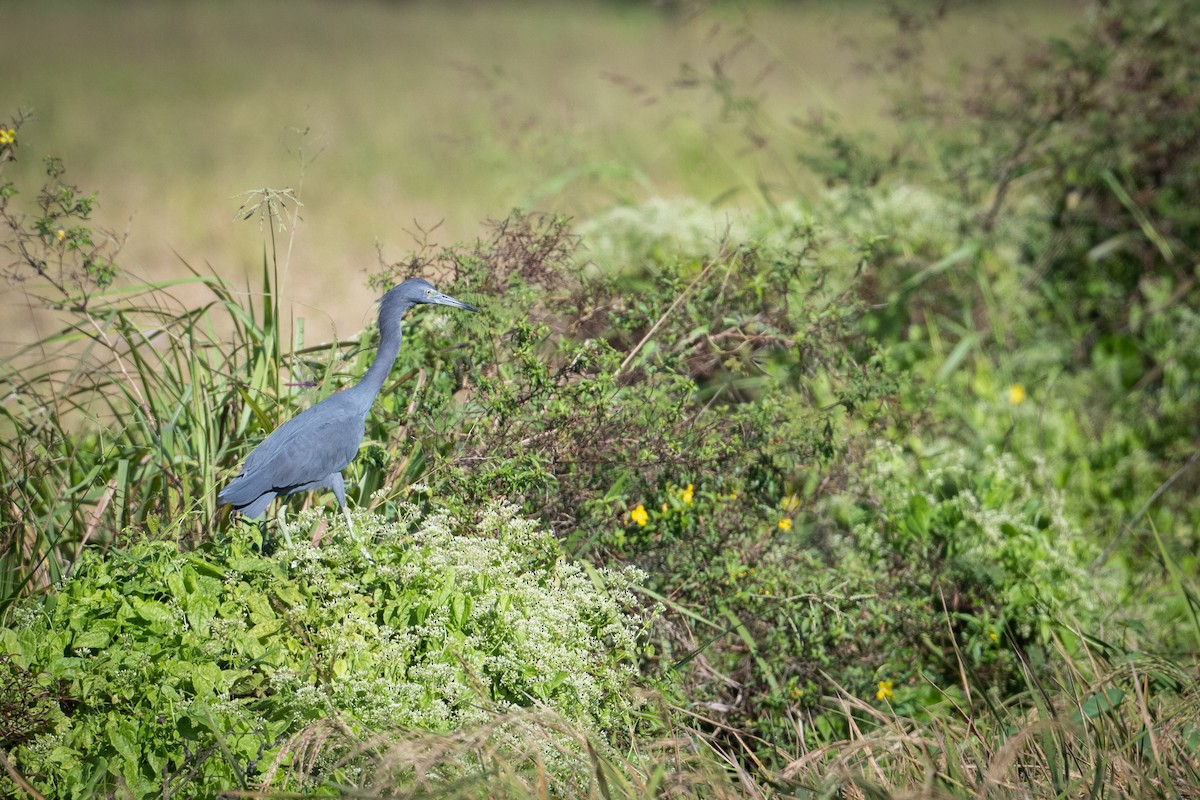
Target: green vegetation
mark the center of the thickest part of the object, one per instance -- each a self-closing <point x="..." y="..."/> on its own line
<point x="212" y="667"/>
<point x="886" y="488"/>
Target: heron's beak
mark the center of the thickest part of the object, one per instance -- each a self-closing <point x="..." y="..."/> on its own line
<point x="437" y="298"/>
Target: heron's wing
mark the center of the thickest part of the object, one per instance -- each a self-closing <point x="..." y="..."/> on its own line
<point x="306" y="448"/>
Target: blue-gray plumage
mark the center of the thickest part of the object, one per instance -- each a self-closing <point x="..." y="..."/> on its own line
<point x="309" y="451"/>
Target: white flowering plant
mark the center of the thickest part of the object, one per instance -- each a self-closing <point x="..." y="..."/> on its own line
<point x="159" y="668"/>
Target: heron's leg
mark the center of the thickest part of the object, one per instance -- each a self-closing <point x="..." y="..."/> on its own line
<point x="338" y="486"/>
<point x="280" y="520"/>
<point x="339" y="490"/>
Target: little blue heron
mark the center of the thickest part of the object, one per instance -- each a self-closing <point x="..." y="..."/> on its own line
<point x="309" y="451"/>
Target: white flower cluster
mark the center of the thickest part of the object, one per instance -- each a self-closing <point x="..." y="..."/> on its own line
<point x="685" y="228"/>
<point x="430" y="623"/>
<point x="451" y="619"/>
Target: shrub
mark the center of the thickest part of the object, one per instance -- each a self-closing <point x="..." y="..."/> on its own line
<point x="670" y="410"/>
<point x="189" y="671"/>
<point x="1052" y="248"/>
<point x="591" y="390"/>
<point x="982" y="533"/>
<point x="919" y="567"/>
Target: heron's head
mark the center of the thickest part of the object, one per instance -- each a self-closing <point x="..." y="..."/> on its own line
<point x="419" y="290"/>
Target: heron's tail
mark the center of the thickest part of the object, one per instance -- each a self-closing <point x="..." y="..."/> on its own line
<point x="246" y="499"/>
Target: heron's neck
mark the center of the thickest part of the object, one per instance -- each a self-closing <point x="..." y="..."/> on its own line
<point x="367" y="389"/>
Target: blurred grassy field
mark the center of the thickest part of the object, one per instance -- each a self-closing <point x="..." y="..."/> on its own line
<point x="395" y="117"/>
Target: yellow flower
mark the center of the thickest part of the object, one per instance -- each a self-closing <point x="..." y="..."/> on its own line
<point x="639" y="515"/>
<point x="60" y="233"/>
<point x="1016" y="394"/>
<point x="785" y="524"/>
<point x="664" y="508"/>
<point x="687" y="494"/>
<point x="993" y="636"/>
<point x="884" y="692"/>
<point x="7" y="135"/>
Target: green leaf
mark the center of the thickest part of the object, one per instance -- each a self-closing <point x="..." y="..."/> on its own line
<point x="206" y="679"/>
<point x="122" y="735"/>
<point x="153" y="611"/>
<point x="265" y="628"/>
<point x="460" y="609"/>
<point x="201" y="609"/>
<point x="96" y="637"/>
<point x="65" y="667"/>
<point x="1100" y="703"/>
<point x="919" y="513"/>
<point x="260" y="607"/>
<point x="176" y="585"/>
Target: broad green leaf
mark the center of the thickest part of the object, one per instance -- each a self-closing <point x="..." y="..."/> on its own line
<point x="201" y="609"/>
<point x="260" y="607"/>
<point x="122" y="735"/>
<point x="265" y="628"/>
<point x="153" y="611"/>
<point x="460" y="609"/>
<point x="206" y="679"/>
<point x="98" y="636"/>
